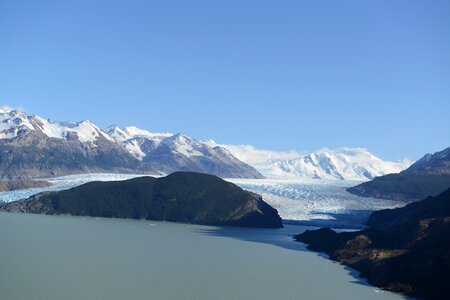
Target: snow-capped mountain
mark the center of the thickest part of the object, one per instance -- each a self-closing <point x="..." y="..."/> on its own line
<point x="32" y="147"/>
<point x="168" y="152"/>
<point x="15" y="123"/>
<point x="138" y="142"/>
<point x="344" y="163"/>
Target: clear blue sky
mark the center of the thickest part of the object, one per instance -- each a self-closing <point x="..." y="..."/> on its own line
<point x="276" y="74"/>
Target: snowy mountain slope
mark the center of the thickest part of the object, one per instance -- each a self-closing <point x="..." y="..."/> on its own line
<point x="32" y="147"/>
<point x="131" y="132"/>
<point x="138" y="142"/>
<point x="168" y="152"/>
<point x="15" y="123"/>
<point x="86" y="131"/>
<point x="344" y="163"/>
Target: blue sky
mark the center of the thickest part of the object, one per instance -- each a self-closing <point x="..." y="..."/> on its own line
<point x="279" y="75"/>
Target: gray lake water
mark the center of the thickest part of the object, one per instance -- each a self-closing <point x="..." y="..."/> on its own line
<point x="56" y="257"/>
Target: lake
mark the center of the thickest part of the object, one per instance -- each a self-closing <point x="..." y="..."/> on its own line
<point x="60" y="257"/>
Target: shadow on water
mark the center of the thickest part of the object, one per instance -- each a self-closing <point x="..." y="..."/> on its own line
<point x="282" y="237"/>
<point x="350" y="219"/>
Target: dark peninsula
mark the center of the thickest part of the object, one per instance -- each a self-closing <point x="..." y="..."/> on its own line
<point x="406" y="249"/>
<point x="185" y="197"/>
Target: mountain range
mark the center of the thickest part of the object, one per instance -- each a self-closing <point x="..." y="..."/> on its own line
<point x="343" y="163"/>
<point x="33" y="147"/>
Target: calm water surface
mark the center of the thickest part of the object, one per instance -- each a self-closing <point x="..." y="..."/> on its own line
<point x="55" y="257"/>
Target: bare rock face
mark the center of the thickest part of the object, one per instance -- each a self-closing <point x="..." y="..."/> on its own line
<point x="185" y="197"/>
<point x="12" y="185"/>
<point x="35" y="155"/>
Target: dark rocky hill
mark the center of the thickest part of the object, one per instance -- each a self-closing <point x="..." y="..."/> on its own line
<point x="429" y="176"/>
<point x="406" y="249"/>
<point x="185" y="197"/>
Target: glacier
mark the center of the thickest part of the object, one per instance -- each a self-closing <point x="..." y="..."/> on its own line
<point x="305" y="201"/>
<point x="65" y="182"/>
<point x="316" y="202"/>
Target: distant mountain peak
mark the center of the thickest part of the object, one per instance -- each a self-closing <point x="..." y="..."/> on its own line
<point x="7" y="109"/>
<point x="134" y="131"/>
<point x="14" y="123"/>
<point x="432" y="163"/>
<point x="343" y="163"/>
